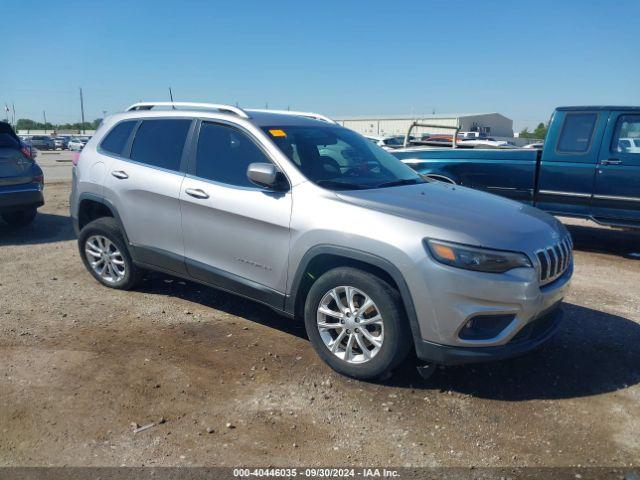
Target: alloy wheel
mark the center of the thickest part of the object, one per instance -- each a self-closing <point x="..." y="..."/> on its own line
<point x="350" y="324"/>
<point x="105" y="258"/>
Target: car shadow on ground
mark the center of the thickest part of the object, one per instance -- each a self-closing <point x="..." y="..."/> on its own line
<point x="624" y="243"/>
<point x="46" y="228"/>
<point x="161" y="284"/>
<point x="593" y="352"/>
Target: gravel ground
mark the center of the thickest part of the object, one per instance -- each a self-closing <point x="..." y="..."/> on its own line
<point x="228" y="382"/>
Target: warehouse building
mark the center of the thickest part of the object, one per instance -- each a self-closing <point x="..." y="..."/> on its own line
<point x="493" y="124"/>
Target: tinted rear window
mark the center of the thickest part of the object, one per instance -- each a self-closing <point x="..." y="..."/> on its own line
<point x="117" y="138"/>
<point x="159" y="143"/>
<point x="7" y="141"/>
<point x="577" y="132"/>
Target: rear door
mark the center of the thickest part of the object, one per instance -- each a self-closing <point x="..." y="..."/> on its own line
<point x="568" y="164"/>
<point x="236" y="234"/>
<point x="144" y="185"/>
<point x="617" y="187"/>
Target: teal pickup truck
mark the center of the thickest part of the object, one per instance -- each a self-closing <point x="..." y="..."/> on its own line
<point x="589" y="166"/>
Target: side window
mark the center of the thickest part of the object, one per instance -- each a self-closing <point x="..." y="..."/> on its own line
<point x="626" y="138"/>
<point x="159" y="143"/>
<point x="117" y="138"/>
<point x="224" y="153"/>
<point x="577" y="132"/>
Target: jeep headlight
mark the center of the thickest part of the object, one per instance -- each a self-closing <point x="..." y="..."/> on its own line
<point x="475" y="258"/>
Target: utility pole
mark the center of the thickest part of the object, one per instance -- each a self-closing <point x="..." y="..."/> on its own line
<point x="13" y="106"/>
<point x="81" y="109"/>
<point x="44" y="115"/>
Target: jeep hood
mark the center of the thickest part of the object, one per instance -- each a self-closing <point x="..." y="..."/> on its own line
<point x="459" y="214"/>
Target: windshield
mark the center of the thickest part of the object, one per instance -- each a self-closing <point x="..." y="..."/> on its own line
<point x="340" y="159"/>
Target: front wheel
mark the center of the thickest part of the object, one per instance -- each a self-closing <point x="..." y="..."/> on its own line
<point x="20" y="218"/>
<point x="356" y="323"/>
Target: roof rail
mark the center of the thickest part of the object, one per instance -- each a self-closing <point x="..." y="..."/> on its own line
<point x="315" y="116"/>
<point x="211" y="106"/>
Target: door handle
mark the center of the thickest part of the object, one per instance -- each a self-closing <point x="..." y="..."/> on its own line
<point x="611" y="161"/>
<point x="120" y="174"/>
<point x="197" y="193"/>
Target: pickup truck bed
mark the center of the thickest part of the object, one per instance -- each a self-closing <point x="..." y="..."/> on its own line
<point x="510" y="173"/>
<point x="589" y="166"/>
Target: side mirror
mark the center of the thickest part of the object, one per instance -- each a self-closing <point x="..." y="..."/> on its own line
<point x="265" y="175"/>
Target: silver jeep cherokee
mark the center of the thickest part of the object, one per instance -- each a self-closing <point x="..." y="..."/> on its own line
<point x="296" y="212"/>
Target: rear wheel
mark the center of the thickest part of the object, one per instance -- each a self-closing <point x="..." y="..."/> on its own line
<point x="20" y="218"/>
<point x="355" y="322"/>
<point x="105" y="254"/>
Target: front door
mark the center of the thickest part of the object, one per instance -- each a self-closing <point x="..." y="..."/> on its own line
<point x="617" y="187"/>
<point x="236" y="234"/>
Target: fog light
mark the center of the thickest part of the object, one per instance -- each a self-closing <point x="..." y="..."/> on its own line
<point x="484" y="327"/>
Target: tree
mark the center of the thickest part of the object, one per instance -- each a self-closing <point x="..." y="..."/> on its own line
<point x="525" y="133"/>
<point x="28" y="124"/>
<point x="539" y="133"/>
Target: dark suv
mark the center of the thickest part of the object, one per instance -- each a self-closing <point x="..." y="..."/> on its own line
<point x="21" y="179"/>
<point x="43" y="142"/>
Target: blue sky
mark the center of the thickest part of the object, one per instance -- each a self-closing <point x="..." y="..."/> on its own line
<point x="335" y="57"/>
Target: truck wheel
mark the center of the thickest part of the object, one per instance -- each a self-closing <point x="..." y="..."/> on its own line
<point x="356" y="323"/>
<point x="105" y="254"/>
<point x="20" y="218"/>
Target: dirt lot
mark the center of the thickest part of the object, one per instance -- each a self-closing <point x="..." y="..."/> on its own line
<point x="239" y="385"/>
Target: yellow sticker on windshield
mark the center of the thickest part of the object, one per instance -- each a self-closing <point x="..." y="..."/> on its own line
<point x="277" y="133"/>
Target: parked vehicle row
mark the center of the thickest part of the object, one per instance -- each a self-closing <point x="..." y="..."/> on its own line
<point x="42" y="142"/>
<point x="21" y="179"/>
<point x="464" y="140"/>
<point x="318" y="223"/>
<point x="388" y="142"/>
<point x="60" y="142"/>
<point x="589" y="166"/>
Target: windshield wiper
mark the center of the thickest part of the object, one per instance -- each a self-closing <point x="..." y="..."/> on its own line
<point x="397" y="183"/>
<point x="340" y="185"/>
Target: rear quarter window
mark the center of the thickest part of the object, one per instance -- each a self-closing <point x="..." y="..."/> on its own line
<point x="577" y="132"/>
<point x="159" y="143"/>
<point x="118" y="137"/>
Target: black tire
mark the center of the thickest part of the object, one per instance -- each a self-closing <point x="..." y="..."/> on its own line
<point x="397" y="334"/>
<point x="108" y="227"/>
<point x="20" y="218"/>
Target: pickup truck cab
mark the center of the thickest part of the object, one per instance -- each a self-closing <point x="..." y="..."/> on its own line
<point x="589" y="166"/>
